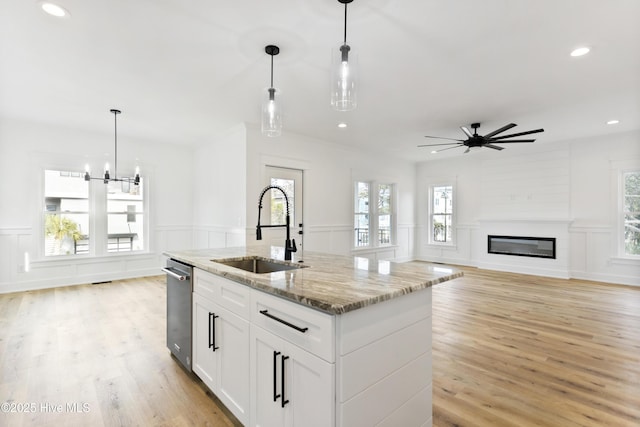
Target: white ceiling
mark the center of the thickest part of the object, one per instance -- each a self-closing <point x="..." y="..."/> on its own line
<point x="183" y="71"/>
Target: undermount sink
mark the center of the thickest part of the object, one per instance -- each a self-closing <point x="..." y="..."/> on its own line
<point x="257" y="265"/>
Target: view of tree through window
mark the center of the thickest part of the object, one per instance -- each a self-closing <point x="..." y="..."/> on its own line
<point x="66" y="213"/>
<point x="278" y="204"/>
<point x="441" y="213"/>
<point x="73" y="208"/>
<point x="361" y="214"/>
<point x="384" y="214"/>
<point x="373" y="200"/>
<point x="631" y="212"/>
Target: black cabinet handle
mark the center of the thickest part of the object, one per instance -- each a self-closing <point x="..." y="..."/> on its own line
<point x="291" y="325"/>
<point x="212" y="328"/>
<point x="283" y="400"/>
<point x="275" y="366"/>
<point x="210" y="340"/>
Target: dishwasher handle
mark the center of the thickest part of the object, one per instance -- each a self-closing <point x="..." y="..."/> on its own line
<point x="176" y="274"/>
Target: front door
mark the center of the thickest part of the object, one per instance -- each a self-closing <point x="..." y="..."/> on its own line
<point x="274" y="206"/>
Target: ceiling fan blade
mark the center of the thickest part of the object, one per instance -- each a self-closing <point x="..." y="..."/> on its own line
<point x="444" y="143"/>
<point x="466" y="131"/>
<point x="519" y="134"/>
<point x="449" y="148"/>
<point x="512" y="140"/>
<point x="502" y="129"/>
<point x="495" y="147"/>
<point x="442" y="137"/>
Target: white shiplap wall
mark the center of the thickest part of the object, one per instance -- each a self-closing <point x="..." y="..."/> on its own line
<point x="526" y="186"/>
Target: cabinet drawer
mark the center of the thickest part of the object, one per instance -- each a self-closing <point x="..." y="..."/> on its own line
<point x="224" y="292"/>
<point x="305" y="327"/>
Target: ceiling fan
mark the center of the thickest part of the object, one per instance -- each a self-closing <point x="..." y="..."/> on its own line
<point x="488" y="140"/>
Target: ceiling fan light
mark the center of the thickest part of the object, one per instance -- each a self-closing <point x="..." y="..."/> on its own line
<point x="580" y="51"/>
<point x="613" y="122"/>
<point x="54" y="10"/>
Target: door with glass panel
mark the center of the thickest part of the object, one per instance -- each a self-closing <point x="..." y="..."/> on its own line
<point x="274" y="206"/>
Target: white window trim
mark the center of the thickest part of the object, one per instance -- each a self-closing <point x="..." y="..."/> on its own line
<point x="442" y="183"/>
<point x="98" y="228"/>
<point x="618" y="169"/>
<point x="374" y="186"/>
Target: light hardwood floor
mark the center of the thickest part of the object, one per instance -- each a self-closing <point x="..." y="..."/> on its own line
<point x="519" y="350"/>
<point x="508" y="350"/>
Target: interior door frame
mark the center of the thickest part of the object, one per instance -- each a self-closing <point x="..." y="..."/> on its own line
<point x="299" y="199"/>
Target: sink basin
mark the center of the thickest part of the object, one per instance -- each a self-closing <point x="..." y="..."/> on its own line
<point x="257" y="265"/>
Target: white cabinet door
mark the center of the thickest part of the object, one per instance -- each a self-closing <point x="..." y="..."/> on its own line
<point x="266" y="406"/>
<point x="204" y="363"/>
<point x="232" y="367"/>
<point x="290" y="387"/>
<point x="221" y="354"/>
<point x="310" y="388"/>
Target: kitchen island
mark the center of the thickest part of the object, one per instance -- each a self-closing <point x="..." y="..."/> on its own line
<point x="330" y="341"/>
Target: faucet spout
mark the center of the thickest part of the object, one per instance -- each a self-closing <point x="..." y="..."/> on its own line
<point x="289" y="244"/>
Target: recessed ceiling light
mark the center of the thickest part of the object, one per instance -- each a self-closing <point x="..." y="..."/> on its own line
<point x="54" y="10"/>
<point x="434" y="152"/>
<point x="613" y="122"/>
<point x="581" y="51"/>
<point x="342" y="125"/>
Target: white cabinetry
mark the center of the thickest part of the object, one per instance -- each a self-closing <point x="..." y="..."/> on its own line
<point x="279" y="363"/>
<point x="221" y="340"/>
<point x="290" y="386"/>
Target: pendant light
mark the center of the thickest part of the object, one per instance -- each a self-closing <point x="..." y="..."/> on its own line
<point x="107" y="172"/>
<point x="271" y="105"/>
<point x="343" y="72"/>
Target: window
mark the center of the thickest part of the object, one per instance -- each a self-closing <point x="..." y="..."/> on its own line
<point x="441" y="214"/>
<point x="66" y="213"/>
<point x="379" y="232"/>
<point x="361" y="214"/>
<point x="88" y="217"/>
<point x="125" y="217"/>
<point x="278" y="205"/>
<point x="384" y="214"/>
<point x="631" y="212"/>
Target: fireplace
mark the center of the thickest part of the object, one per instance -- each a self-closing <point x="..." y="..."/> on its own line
<point x="538" y="247"/>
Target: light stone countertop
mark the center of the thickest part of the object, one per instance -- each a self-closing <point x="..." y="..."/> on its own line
<point x="330" y="283"/>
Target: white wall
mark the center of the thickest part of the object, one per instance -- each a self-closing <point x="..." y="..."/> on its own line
<point x="219" y="204"/>
<point x="27" y="148"/>
<point x="564" y="188"/>
<point x="329" y="171"/>
<point x="207" y="197"/>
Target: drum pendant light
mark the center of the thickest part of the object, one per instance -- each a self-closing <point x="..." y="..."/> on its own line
<point x="271" y="104"/>
<point x="343" y="72"/>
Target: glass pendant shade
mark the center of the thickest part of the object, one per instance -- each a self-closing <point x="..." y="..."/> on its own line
<point x="344" y="67"/>
<point x="271" y="112"/>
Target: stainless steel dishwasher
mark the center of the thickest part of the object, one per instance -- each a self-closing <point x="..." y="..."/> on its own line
<point x="179" y="292"/>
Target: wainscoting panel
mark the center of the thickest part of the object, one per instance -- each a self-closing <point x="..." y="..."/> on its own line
<point x="591" y="249"/>
<point x="16" y="274"/>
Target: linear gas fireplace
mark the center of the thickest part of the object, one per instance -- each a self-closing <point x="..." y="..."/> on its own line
<point x="538" y="247"/>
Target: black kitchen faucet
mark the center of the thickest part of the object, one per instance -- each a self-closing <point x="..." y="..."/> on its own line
<point x="289" y="244"/>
